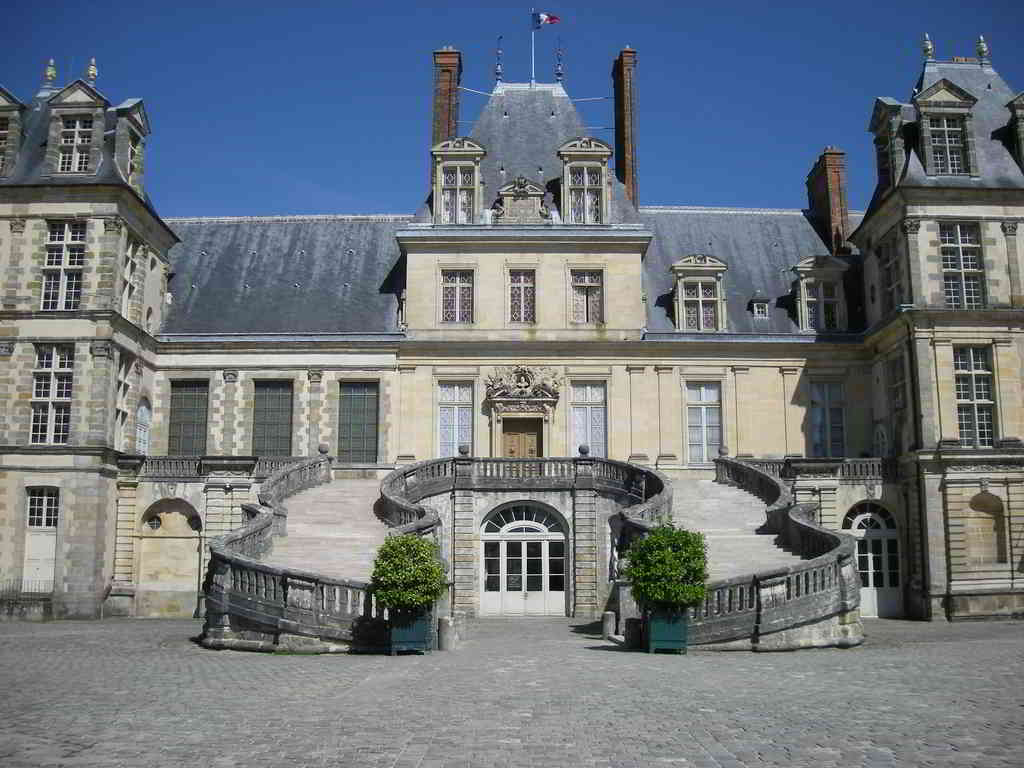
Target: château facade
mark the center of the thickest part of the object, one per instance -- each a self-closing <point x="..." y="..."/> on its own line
<point x="156" y="370"/>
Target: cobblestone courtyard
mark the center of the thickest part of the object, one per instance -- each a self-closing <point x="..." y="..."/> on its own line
<point x="519" y="693"/>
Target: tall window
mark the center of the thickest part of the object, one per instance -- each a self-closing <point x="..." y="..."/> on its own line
<point x="52" y="387"/>
<point x="975" y="397"/>
<point x="828" y="428"/>
<point x="65" y="257"/>
<point x="455" y="418"/>
<point x="522" y="296"/>
<point x="822" y="301"/>
<point x="134" y="154"/>
<point x="589" y="417"/>
<point x="456" y="296"/>
<point x="124" y="369"/>
<point x="948" y="144"/>
<point x="963" y="279"/>
<point x="128" y="268"/>
<point x="585" y="194"/>
<point x="43" y="507"/>
<point x="895" y="379"/>
<point x="357" y="422"/>
<point x="587" y="296"/>
<point x="703" y="420"/>
<point x="75" y="142"/>
<point x="272" y="418"/>
<point x="5" y="129"/>
<point x="700" y="305"/>
<point x="457" y="190"/>
<point x="891" y="276"/>
<point x="186" y="433"/>
<point x="143" y="420"/>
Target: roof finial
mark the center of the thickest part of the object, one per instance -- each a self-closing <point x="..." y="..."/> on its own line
<point x="91" y="73"/>
<point x="928" y="47"/>
<point x="559" y="53"/>
<point x="497" y="61"/>
<point x="50" y="73"/>
<point x="982" y="48"/>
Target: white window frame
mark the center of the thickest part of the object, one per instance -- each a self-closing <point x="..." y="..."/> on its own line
<point x="457" y="183"/>
<point x="52" y="392"/>
<point x="823" y="297"/>
<point x="133" y="249"/>
<point x="42" y="508"/>
<point x="125" y="366"/>
<point x="527" y="307"/>
<point x="963" y="266"/>
<point x="589" y="187"/>
<point x="974" y="386"/>
<point x="143" y="423"/>
<point x="890" y="276"/>
<point x="460" y="406"/>
<point x="701" y="412"/>
<point x="62" y="269"/>
<point x="587" y="399"/>
<point x="75" y="144"/>
<point x="134" y="154"/>
<point x="831" y="445"/>
<point x="702" y="302"/>
<point x="949" y="145"/>
<point x="586" y="317"/>
<point x="760" y="310"/>
<point x="463" y="315"/>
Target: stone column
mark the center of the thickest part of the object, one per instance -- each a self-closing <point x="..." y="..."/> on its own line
<point x="584" y="541"/>
<point x="406" y="427"/>
<point x="95" y="409"/>
<point x="670" y="428"/>
<point x="916" y="288"/>
<point x="465" y="539"/>
<point x="926" y="390"/>
<point x="1013" y="263"/>
<point x="637" y="434"/>
<point x="794" y="442"/>
<point x="229" y="399"/>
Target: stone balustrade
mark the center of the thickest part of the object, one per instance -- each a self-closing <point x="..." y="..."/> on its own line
<point x="883" y="470"/>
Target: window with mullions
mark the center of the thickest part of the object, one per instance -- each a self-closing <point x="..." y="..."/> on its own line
<point x="62" y="273"/>
<point x="272" y="418"/>
<point x="587" y="296"/>
<point x="458" y="184"/>
<point x="357" y="422"/>
<point x="891" y="276"/>
<point x="456" y="296"/>
<point x="133" y="251"/>
<point x="948" y="146"/>
<point x="455" y="418"/>
<point x="125" y="365"/>
<point x="589" y="417"/>
<point x="43" y="507"/>
<point x="186" y="431"/>
<point x="963" y="276"/>
<point x="585" y="194"/>
<point x="134" y="154"/>
<point x="828" y="428"/>
<point x="822" y="300"/>
<point x="975" y="397"/>
<point x="703" y="420"/>
<point x="75" y="143"/>
<point x="700" y="305"/>
<point x="52" y="387"/>
<point x="895" y="379"/>
<point x="522" y="296"/>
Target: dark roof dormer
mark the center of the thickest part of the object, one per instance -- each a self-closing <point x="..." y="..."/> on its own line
<point x="11" y="111"/>
<point x="947" y="135"/>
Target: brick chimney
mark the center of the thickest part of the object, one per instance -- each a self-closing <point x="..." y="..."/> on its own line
<point x="447" y="76"/>
<point x="625" y="100"/>
<point x="826" y="198"/>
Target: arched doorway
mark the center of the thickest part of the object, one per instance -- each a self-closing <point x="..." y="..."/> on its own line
<point x="878" y="559"/>
<point x="523" y="562"/>
<point x="170" y="555"/>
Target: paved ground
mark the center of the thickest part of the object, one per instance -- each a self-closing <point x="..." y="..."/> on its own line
<point x="520" y="693"/>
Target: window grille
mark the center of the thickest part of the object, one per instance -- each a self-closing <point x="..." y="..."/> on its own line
<point x="822" y="300"/>
<point x="457" y="296"/>
<point x="587" y="296"/>
<point x="62" y="272"/>
<point x="52" y="389"/>
<point x="272" y="418"/>
<point x="585" y="194"/>
<point x="522" y="296"/>
<point x="186" y="432"/>
<point x="43" y="507"/>
<point x="975" y="396"/>
<point x="458" y="185"/>
<point x="963" y="275"/>
<point x="700" y="305"/>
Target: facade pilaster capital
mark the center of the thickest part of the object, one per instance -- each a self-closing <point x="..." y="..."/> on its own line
<point x="112" y="225"/>
<point x="788" y="370"/>
<point x="315" y="375"/>
<point x="17" y="226"/>
<point x="666" y="369"/>
<point x="911" y="226"/>
<point x="636" y="369"/>
<point x="6" y="348"/>
<point x="101" y="349"/>
<point x="230" y="376"/>
<point x="741" y="369"/>
<point x="1009" y="227"/>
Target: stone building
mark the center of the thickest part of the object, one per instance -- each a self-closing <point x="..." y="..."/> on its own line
<point x="156" y="370"/>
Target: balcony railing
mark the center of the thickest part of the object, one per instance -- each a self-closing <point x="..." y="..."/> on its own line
<point x="883" y="470"/>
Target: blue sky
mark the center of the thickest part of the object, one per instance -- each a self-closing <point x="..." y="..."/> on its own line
<point x="308" y="107"/>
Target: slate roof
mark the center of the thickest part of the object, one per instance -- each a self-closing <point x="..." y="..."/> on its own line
<point x="522" y="127"/>
<point x="285" y="274"/>
<point x="760" y="247"/>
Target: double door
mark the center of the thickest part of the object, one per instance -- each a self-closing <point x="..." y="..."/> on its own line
<point x="523" y="577"/>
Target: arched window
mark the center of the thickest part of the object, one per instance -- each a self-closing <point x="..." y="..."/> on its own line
<point x="522" y="518"/>
<point x="986" y="530"/>
<point x="878" y="559"/>
<point x="143" y="418"/>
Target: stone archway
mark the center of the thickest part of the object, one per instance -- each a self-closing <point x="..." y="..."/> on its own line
<point x="879" y="560"/>
<point x="170" y="536"/>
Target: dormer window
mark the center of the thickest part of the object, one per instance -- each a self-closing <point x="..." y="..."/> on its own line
<point x="458" y="193"/>
<point x="134" y="155"/>
<point x="700" y="293"/>
<point x="75" y="144"/>
<point x="947" y="140"/>
<point x="760" y="310"/>
<point x="585" y="181"/>
<point x="820" y="289"/>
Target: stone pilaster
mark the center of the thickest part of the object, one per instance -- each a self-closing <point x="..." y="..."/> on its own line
<point x="791" y="411"/>
<point x="740" y="375"/>
<point x="94" y="411"/>
<point x="946" y="421"/>
<point x="315" y="390"/>
<point x="912" y="252"/>
<point x="670" y="427"/>
<point x="584" y="542"/>
<point x="1013" y="263"/>
<point x="638" y="403"/>
<point x="407" y="436"/>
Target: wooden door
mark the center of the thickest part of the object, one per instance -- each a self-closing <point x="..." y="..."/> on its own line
<point x="521" y="439"/>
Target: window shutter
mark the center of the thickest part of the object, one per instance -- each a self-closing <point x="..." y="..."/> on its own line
<point x="187" y="428"/>
<point x="357" y="422"/>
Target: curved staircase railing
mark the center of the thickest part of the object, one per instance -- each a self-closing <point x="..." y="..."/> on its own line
<point x="812" y="603"/>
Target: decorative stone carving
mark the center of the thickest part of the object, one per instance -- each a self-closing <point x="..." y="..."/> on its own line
<point x="315" y="375"/>
<point x="522" y="389"/>
<point x="230" y="376"/>
<point x="17" y="226"/>
<point x="911" y="226"/>
<point x="111" y="225"/>
<point x="102" y="349"/>
<point x="522" y="202"/>
<point x="1009" y="228"/>
<point x="6" y="348"/>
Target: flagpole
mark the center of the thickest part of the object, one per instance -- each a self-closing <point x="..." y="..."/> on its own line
<point x="533" y="32"/>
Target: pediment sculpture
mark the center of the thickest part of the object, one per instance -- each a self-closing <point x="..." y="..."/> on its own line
<point x="520" y="388"/>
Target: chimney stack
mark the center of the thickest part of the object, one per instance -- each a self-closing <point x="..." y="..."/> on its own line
<point x="625" y="101"/>
<point x="447" y="76"/>
<point x="826" y="198"/>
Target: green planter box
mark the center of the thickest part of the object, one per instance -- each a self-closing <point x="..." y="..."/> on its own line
<point x="410" y="631"/>
<point x="667" y="631"/>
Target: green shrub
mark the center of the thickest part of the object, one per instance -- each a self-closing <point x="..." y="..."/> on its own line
<point x="667" y="569"/>
<point x="408" y="573"/>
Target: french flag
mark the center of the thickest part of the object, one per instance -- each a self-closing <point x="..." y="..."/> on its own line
<point x="540" y="19"/>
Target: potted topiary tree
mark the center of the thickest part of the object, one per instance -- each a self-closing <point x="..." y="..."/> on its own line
<point x="408" y="576"/>
<point x="666" y="570"/>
